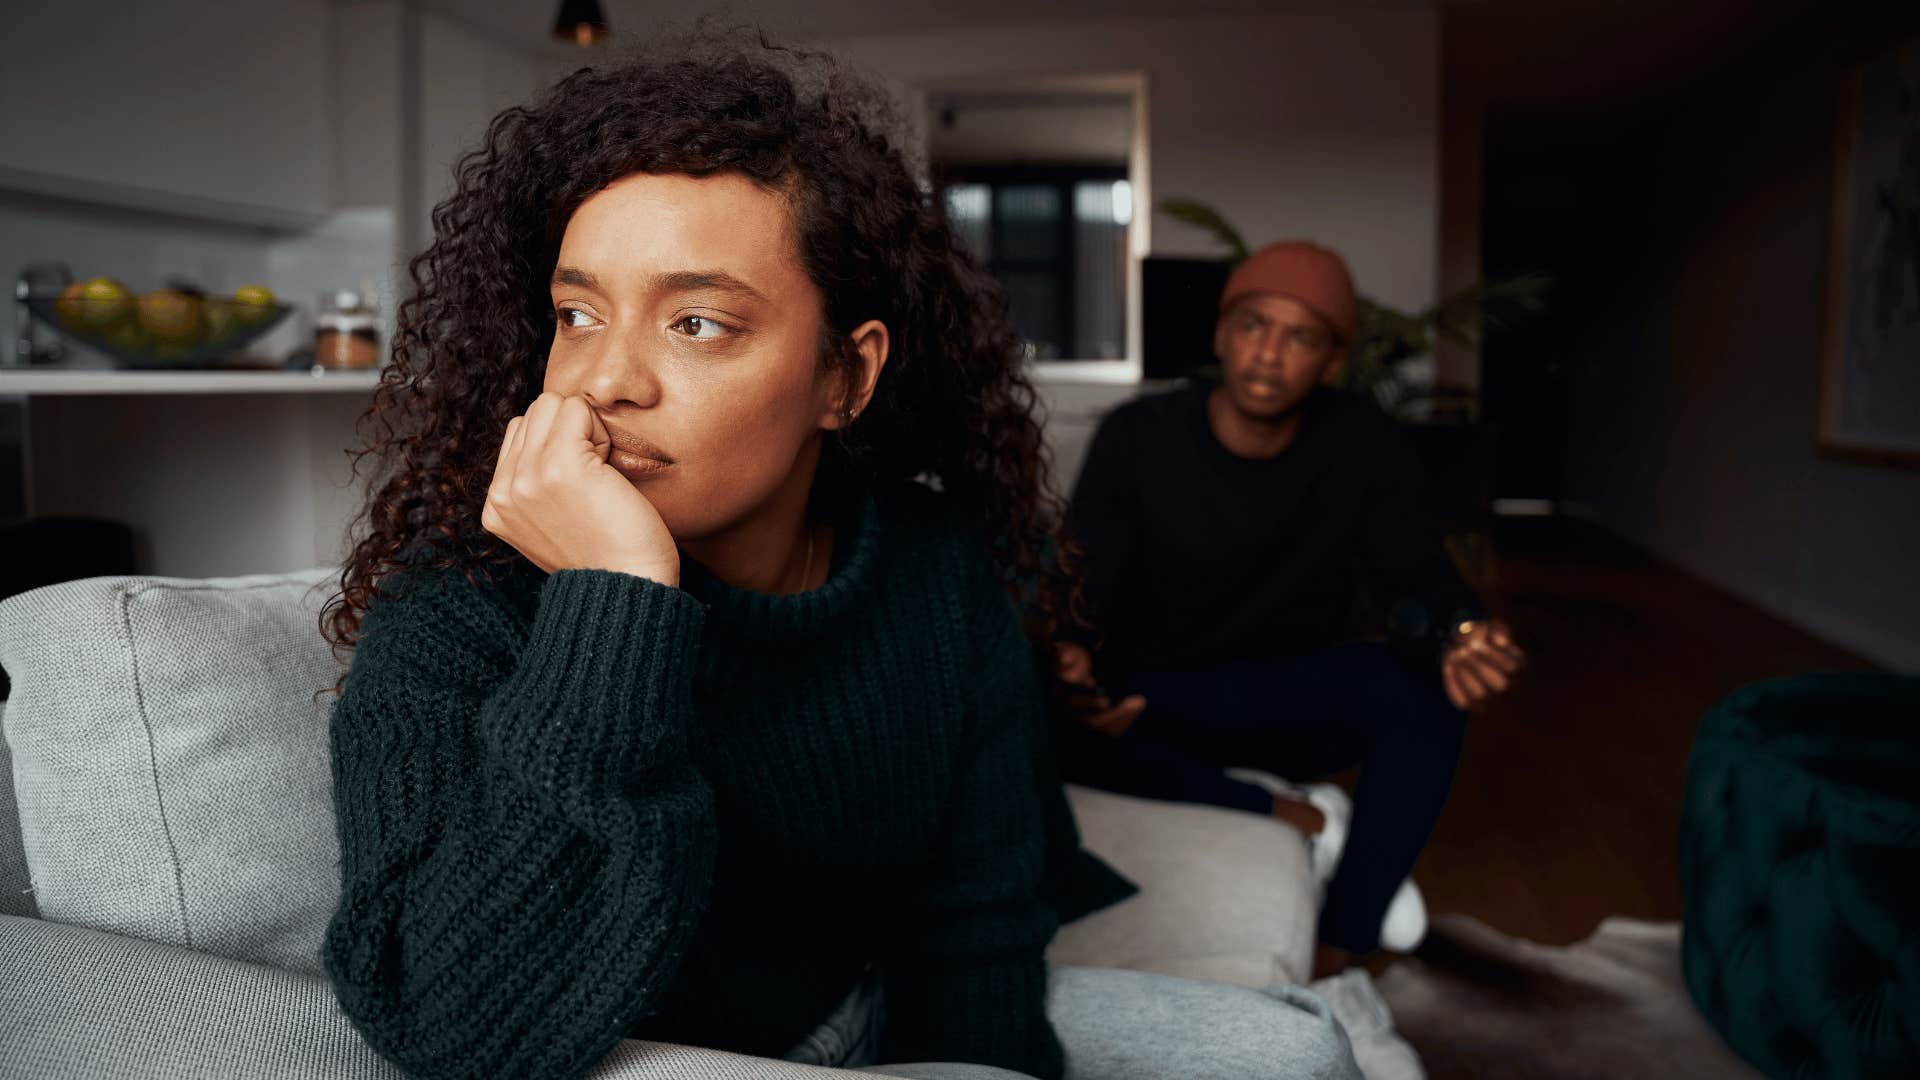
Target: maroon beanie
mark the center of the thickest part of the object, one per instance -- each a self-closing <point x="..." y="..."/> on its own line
<point x="1304" y="271"/>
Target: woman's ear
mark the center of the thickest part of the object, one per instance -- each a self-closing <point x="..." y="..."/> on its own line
<point x="871" y="345"/>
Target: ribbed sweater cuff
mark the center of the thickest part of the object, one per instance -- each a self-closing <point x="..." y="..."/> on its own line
<point x="603" y="687"/>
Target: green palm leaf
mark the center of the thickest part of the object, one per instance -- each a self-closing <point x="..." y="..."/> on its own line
<point x="1207" y="219"/>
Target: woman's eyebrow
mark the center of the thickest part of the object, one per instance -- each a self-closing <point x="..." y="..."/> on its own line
<point x="676" y="281"/>
<point x="718" y="280"/>
<point x="573" y="275"/>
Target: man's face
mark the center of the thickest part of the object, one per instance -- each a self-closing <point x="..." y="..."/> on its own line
<point x="1273" y="351"/>
<point x="684" y="316"/>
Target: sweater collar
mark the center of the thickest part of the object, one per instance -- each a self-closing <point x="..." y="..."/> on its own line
<point x="764" y="617"/>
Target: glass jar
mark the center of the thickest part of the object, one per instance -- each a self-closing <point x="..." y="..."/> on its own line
<point x="346" y="332"/>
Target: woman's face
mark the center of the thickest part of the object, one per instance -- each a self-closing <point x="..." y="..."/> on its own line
<point x="684" y="318"/>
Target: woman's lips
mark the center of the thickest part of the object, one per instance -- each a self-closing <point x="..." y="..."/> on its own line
<point x="636" y="456"/>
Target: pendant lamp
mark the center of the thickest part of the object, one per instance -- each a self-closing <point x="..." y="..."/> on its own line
<point x="581" y="22"/>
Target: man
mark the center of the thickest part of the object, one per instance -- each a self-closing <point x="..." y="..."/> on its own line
<point x="1268" y="594"/>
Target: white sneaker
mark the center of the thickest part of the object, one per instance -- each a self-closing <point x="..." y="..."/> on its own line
<point x="1405" y="925"/>
<point x="1326" y="845"/>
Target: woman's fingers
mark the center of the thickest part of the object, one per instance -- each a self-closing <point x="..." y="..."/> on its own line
<point x="498" y="489"/>
<point x="595" y="430"/>
<point x="506" y="446"/>
<point x="512" y="445"/>
<point x="539" y="426"/>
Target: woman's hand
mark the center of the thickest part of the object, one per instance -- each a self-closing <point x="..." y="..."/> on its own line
<point x="1090" y="705"/>
<point x="559" y="503"/>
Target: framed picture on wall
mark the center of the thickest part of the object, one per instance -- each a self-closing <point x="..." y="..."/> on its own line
<point x="1870" y="375"/>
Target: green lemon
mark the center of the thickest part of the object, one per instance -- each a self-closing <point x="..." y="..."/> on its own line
<point x="173" y="317"/>
<point x="223" y="321"/>
<point x="253" y="304"/>
<point x="94" y="306"/>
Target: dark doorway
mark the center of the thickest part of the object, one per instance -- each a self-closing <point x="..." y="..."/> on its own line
<point x="1554" y="185"/>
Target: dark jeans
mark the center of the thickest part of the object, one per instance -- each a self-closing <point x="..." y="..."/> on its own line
<point x="1301" y="717"/>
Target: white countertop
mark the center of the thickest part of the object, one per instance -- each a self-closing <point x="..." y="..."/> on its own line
<point x="28" y="382"/>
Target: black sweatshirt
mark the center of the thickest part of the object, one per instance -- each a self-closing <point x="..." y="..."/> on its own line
<point x="1196" y="556"/>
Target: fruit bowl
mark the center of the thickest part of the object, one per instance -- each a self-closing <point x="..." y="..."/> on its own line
<point x="165" y="329"/>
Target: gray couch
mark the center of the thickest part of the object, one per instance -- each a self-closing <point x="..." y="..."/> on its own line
<point x="168" y="859"/>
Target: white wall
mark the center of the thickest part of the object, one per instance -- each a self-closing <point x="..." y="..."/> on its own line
<point x="1292" y="125"/>
<point x="371" y="42"/>
<point x="1025" y="130"/>
<point x="1694" y="409"/>
<point x="465" y="78"/>
<point x="198" y="100"/>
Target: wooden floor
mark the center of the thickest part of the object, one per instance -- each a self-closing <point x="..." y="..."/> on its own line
<point x="1567" y="803"/>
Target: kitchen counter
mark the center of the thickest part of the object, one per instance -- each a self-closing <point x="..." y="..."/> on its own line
<point x="30" y="382"/>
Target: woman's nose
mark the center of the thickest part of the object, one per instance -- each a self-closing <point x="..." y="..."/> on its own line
<point x="617" y="373"/>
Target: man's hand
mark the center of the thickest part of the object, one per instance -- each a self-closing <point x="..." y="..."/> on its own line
<point x="1090" y="705"/>
<point x="1479" y="662"/>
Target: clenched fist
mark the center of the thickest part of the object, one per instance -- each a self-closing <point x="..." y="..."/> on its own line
<point x="1479" y="663"/>
<point x="555" y="498"/>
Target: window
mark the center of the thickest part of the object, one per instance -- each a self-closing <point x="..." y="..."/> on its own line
<point x="1043" y="180"/>
<point x="1056" y="238"/>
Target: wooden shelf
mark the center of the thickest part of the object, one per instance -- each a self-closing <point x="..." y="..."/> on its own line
<point x="28" y="382"/>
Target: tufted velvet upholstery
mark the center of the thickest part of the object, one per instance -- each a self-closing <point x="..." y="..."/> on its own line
<point x="1800" y="860"/>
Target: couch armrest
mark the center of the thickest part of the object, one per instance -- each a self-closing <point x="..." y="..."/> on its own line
<point x="1224" y="895"/>
<point x="80" y="1004"/>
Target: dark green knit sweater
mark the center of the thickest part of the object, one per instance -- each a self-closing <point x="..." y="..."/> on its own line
<point x="584" y="806"/>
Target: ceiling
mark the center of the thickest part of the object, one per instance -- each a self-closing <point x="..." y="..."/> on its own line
<point x="529" y="22"/>
<point x="1519" y="54"/>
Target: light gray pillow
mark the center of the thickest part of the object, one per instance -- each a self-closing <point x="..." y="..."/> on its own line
<point x="16" y="887"/>
<point x="171" y="759"/>
<point x="1225" y="895"/>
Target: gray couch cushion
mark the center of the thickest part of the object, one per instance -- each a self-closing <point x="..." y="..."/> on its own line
<point x="16" y="885"/>
<point x="101" y="1007"/>
<point x="1224" y="895"/>
<point x="171" y="759"/>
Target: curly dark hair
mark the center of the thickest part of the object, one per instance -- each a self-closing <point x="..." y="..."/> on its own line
<point x="953" y="405"/>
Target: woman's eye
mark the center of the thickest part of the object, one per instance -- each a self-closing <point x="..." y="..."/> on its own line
<point x="566" y="316"/>
<point x="696" y="326"/>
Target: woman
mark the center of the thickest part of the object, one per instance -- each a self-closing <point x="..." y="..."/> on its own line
<point x="689" y="701"/>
